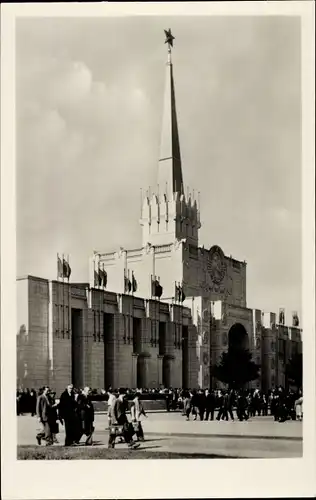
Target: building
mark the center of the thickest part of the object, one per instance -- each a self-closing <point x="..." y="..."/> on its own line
<point x="173" y="308"/>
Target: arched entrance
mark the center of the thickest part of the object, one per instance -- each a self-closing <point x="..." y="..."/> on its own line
<point x="238" y="337"/>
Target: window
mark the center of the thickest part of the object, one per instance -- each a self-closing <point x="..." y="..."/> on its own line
<point x="272" y="364"/>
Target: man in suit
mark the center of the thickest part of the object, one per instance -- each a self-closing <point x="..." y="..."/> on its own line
<point x="86" y="415"/>
<point x="119" y="417"/>
<point x="43" y="408"/>
<point x="210" y="402"/>
<point x="68" y="414"/>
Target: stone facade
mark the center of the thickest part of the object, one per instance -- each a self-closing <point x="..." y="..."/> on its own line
<point x="87" y="336"/>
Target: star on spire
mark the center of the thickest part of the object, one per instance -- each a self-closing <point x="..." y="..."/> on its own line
<point x="169" y="38"/>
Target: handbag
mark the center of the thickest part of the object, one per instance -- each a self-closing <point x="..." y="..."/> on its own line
<point x="135" y="426"/>
<point x="116" y="430"/>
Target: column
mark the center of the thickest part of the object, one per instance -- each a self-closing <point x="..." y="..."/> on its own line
<point x="159" y="369"/>
<point x="134" y="370"/>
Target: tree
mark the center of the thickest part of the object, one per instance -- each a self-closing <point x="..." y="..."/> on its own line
<point x="294" y="370"/>
<point x="236" y="368"/>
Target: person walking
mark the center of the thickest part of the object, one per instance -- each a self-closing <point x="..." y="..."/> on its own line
<point x="53" y="416"/>
<point x="210" y="404"/>
<point x="33" y="401"/>
<point x="111" y="400"/>
<point x="299" y="406"/>
<point x="137" y="410"/>
<point x="220" y="402"/>
<point x="119" y="417"/>
<point x="195" y="404"/>
<point x="43" y="407"/>
<point x="230" y="404"/>
<point x="187" y="404"/>
<point x="68" y="415"/>
<point x="85" y="411"/>
<point x="201" y="403"/>
<point x="242" y="405"/>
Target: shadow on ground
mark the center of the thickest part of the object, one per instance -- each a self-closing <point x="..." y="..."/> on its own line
<point x="61" y="453"/>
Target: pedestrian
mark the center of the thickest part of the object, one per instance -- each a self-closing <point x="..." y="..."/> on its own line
<point x="210" y="404"/>
<point x="220" y="402"/>
<point x="195" y="404"/>
<point x="299" y="406"/>
<point x="111" y="399"/>
<point x="187" y="404"/>
<point x="201" y="403"/>
<point x="33" y="401"/>
<point x="137" y="410"/>
<point x="119" y="418"/>
<point x="68" y="415"/>
<point x="85" y="411"/>
<point x="43" y="407"/>
<point x="53" y="416"/>
<point x="242" y="405"/>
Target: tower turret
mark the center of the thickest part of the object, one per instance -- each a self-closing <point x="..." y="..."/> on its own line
<point x="169" y="215"/>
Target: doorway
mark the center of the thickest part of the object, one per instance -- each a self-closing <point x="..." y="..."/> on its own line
<point x="77" y="348"/>
<point x="108" y="339"/>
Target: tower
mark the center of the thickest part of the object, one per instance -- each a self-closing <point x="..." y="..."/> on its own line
<point x="168" y="214"/>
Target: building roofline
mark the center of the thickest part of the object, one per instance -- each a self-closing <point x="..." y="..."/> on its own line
<point x="31" y="277"/>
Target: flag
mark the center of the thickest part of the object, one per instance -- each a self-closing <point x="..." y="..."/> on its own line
<point x="295" y="320"/>
<point x="156" y="288"/>
<point x="179" y="293"/>
<point x="127" y="285"/>
<point x="104" y="277"/>
<point x="97" y="278"/>
<point x="281" y="317"/>
<point x="66" y="269"/>
<point x="59" y="267"/>
<point x="134" y="283"/>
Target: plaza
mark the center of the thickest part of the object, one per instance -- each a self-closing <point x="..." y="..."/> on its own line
<point x="260" y="437"/>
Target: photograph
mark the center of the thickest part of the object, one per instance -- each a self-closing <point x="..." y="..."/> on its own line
<point x="159" y="284"/>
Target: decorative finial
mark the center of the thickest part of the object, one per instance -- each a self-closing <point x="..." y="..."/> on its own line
<point x="169" y="40"/>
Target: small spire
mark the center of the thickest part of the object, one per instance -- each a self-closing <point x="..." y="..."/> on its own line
<point x="170" y="169"/>
<point x="169" y="41"/>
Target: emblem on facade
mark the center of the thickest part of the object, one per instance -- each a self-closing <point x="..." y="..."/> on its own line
<point x="205" y="337"/>
<point x="216" y="265"/>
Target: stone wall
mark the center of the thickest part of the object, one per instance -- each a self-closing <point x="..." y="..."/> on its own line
<point x="112" y="354"/>
<point x="32" y="338"/>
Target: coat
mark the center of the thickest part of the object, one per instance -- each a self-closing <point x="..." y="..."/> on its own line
<point x="43" y="407"/>
<point x="67" y="406"/>
<point x="85" y="411"/>
<point x="118" y="412"/>
<point x="137" y="410"/>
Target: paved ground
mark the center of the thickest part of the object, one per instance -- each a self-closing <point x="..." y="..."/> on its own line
<point x="260" y="437"/>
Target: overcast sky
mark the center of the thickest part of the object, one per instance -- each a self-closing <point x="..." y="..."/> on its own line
<point x="89" y="109"/>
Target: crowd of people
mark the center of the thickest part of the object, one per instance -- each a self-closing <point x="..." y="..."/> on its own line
<point x="281" y="404"/>
<point x="75" y="409"/>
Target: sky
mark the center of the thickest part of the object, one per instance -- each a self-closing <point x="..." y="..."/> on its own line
<point x="89" y="95"/>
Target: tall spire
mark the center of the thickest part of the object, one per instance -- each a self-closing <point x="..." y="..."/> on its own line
<point x="170" y="169"/>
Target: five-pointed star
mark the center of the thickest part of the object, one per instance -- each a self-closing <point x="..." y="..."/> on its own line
<point x="169" y="37"/>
